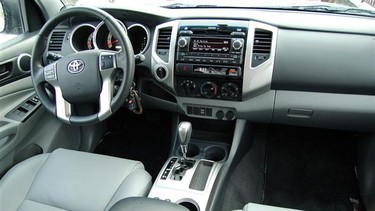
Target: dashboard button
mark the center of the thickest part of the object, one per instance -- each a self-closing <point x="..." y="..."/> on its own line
<point x="220" y="114"/>
<point x="229" y="115"/>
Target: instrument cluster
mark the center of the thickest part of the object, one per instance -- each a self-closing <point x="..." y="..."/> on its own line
<point x="89" y="36"/>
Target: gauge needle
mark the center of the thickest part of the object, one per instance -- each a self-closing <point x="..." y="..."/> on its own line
<point x="112" y="42"/>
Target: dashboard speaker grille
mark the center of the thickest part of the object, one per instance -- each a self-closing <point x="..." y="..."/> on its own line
<point x="164" y="39"/>
<point x="56" y="41"/>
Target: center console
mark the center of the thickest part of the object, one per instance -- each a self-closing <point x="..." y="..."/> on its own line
<point x="188" y="178"/>
<point x="210" y="59"/>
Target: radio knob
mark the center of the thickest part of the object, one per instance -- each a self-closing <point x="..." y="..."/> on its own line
<point x="182" y="42"/>
<point x="237" y="44"/>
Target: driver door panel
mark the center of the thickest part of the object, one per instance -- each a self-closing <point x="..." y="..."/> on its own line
<point x="37" y="131"/>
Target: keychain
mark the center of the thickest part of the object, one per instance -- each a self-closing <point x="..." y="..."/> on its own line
<point x="134" y="101"/>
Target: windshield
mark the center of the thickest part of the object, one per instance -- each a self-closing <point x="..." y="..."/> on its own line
<point x="356" y="7"/>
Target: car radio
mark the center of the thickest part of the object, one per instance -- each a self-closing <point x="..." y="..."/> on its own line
<point x="209" y="61"/>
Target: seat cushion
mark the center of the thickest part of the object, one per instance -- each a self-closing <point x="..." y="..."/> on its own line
<point x="72" y="180"/>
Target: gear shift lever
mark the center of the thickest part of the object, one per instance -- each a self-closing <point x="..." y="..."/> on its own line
<point x="184" y="134"/>
<point x="184" y="130"/>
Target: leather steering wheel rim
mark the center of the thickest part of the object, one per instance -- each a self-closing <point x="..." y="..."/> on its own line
<point x="123" y="60"/>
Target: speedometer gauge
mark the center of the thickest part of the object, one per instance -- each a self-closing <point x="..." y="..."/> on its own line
<point x="112" y="43"/>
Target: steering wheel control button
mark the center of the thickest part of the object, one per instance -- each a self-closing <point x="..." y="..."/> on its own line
<point x="76" y="66"/>
<point x="50" y="72"/>
<point x="107" y="62"/>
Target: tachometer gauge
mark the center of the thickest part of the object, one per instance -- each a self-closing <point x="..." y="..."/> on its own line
<point x="90" y="44"/>
<point x="112" y="43"/>
<point x="103" y="38"/>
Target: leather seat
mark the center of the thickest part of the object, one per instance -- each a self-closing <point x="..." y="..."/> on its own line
<point x="72" y="180"/>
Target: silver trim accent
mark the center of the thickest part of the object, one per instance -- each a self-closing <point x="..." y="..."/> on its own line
<point x="156" y="61"/>
<point x="19" y="62"/>
<point x="147" y="33"/>
<point x="97" y="29"/>
<point x="257" y="80"/>
<point x="166" y="72"/>
<point x="179" y="191"/>
<point x="75" y="29"/>
<point x="107" y="88"/>
<point x="63" y="108"/>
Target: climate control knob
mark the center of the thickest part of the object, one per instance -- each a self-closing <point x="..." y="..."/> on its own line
<point x="188" y="87"/>
<point x="209" y="89"/>
<point x="237" y="44"/>
<point x="182" y="42"/>
<point x="229" y="91"/>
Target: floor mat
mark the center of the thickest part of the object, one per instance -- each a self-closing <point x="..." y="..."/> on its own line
<point x="311" y="169"/>
<point x="145" y="138"/>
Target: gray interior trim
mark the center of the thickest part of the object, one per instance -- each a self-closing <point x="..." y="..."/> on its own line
<point x="324" y="62"/>
<point x="257" y="80"/>
<point x="240" y="145"/>
<point x="335" y="111"/>
<point x="156" y="61"/>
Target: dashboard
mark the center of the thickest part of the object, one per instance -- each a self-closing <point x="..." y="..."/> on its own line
<point x="285" y="67"/>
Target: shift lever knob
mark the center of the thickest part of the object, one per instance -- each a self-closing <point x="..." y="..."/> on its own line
<point x="184" y="134"/>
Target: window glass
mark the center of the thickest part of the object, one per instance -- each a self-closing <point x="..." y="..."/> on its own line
<point x="10" y="20"/>
<point x="2" y="25"/>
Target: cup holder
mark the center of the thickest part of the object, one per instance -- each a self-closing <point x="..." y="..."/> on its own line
<point x="214" y="153"/>
<point x="190" y="206"/>
<point x="193" y="150"/>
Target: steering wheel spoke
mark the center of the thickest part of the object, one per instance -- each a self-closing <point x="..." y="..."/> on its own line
<point x="108" y="65"/>
<point x="63" y="108"/>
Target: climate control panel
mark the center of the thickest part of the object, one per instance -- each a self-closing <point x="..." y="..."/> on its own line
<point x="221" y="89"/>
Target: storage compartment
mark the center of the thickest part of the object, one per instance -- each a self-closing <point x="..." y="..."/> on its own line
<point x="200" y="177"/>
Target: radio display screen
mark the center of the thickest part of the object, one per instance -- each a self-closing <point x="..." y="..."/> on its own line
<point x="212" y="45"/>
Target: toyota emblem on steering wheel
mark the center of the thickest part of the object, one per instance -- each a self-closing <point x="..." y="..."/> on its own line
<point x="76" y="66"/>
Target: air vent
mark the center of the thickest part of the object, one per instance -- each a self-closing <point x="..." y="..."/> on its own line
<point x="56" y="41"/>
<point x="164" y="39"/>
<point x="261" y="46"/>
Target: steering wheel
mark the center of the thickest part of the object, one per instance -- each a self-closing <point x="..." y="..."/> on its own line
<point x="83" y="77"/>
